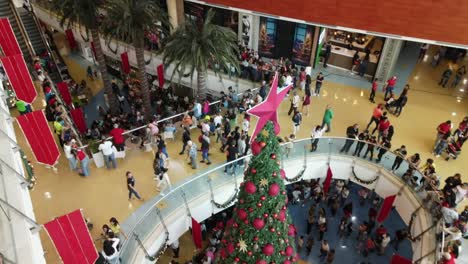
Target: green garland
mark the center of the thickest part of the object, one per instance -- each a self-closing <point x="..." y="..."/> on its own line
<point x="228" y="202"/>
<point x="297" y="177"/>
<point x="364" y="181"/>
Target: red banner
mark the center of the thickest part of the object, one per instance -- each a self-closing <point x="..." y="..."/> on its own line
<point x="71" y="238"/>
<point x="64" y="92"/>
<point x="70" y="38"/>
<point x="125" y="63"/>
<point x="39" y="136"/>
<point x="397" y="259"/>
<point x="79" y="120"/>
<point x="386" y="208"/>
<point x="160" y="73"/>
<point x="19" y="77"/>
<point x="197" y="234"/>
<point x="8" y="41"/>
<point x="327" y="182"/>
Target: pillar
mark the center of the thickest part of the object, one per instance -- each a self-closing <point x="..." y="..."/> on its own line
<point x="388" y="59"/>
<point x="175" y="9"/>
<point x="249" y="28"/>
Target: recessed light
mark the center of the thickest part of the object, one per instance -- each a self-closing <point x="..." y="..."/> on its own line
<point x="416" y="77"/>
<point x="454" y="114"/>
<point x="344" y="99"/>
<point x="353" y="218"/>
<point x="462" y="90"/>
<point x="48" y="195"/>
<point x="465" y="81"/>
<point x="362" y="93"/>
<point x="343" y="246"/>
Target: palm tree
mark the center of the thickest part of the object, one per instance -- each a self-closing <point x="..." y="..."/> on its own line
<point x="84" y="14"/>
<point x="195" y="46"/>
<point x="128" y="20"/>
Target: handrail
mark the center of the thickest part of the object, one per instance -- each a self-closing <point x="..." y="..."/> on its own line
<point x="217" y="167"/>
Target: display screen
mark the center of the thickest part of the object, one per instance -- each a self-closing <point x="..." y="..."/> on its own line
<point x="267" y="36"/>
<point x="302" y="45"/>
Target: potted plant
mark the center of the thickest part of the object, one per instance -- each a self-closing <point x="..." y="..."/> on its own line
<point x="98" y="158"/>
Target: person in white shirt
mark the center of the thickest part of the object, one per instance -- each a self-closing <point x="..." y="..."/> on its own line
<point x="383" y="244"/>
<point x="218" y="119"/>
<point x="288" y="79"/>
<point x="108" y="153"/>
<point x="163" y="178"/>
<point x="316" y="134"/>
<point x="67" y="148"/>
<point x="110" y="251"/>
<point x="294" y="103"/>
<point x="450" y="215"/>
<point x="289" y="144"/>
<point x="205" y="127"/>
<point x="245" y="125"/>
<point x="175" y="248"/>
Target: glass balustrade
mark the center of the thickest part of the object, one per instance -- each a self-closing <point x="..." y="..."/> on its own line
<point x="211" y="180"/>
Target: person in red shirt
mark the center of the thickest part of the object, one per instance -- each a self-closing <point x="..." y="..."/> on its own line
<point x="442" y="130"/>
<point x="384" y="124"/>
<point x="448" y="258"/>
<point x="462" y="127"/>
<point x="375" y="116"/>
<point x="375" y="85"/>
<point x="389" y="86"/>
<point x="117" y="136"/>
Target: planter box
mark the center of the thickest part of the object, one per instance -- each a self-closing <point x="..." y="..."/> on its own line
<point x="98" y="159"/>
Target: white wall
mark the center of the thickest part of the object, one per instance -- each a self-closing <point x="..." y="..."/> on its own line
<point x="16" y="240"/>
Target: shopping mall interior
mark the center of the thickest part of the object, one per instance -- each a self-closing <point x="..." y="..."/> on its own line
<point x="134" y="145"/>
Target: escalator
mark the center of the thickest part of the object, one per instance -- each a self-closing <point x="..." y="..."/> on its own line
<point x="7" y="10"/>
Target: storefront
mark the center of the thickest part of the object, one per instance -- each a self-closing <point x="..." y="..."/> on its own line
<point x="285" y="39"/>
<point x="222" y="17"/>
<point x="344" y="46"/>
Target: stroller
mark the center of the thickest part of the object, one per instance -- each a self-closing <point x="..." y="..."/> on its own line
<point x="453" y="149"/>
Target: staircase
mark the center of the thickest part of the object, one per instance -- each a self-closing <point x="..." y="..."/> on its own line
<point x="35" y="38"/>
<point x="7" y="11"/>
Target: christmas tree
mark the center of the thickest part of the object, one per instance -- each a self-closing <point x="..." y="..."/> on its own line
<point x="260" y="231"/>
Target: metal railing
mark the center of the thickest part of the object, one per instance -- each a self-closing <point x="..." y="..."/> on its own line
<point x="139" y="222"/>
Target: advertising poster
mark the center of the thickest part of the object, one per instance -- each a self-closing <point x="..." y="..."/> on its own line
<point x="267" y="36"/>
<point x="302" y="45"/>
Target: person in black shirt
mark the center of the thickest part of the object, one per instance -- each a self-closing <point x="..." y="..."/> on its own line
<point x="370" y="147"/>
<point x="401" y="154"/>
<point x="384" y="146"/>
<point x="131" y="186"/>
<point x="351" y="133"/>
<point x="363" y="136"/>
<point x="231" y="155"/>
<point x="327" y="54"/>
<point x="452" y="181"/>
<point x="185" y="138"/>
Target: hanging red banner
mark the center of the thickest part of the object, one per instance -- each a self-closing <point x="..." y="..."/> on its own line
<point x="197" y="234"/>
<point x="64" y="92"/>
<point x="327" y="182"/>
<point x="8" y="41"/>
<point x="39" y="136"/>
<point x="79" y="120"/>
<point x="397" y="259"/>
<point x="125" y="63"/>
<point x="71" y="238"/>
<point x="160" y="73"/>
<point x="19" y="77"/>
<point x="386" y="208"/>
<point x="70" y="38"/>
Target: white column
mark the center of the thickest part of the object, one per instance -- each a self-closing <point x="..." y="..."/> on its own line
<point x="388" y="59"/>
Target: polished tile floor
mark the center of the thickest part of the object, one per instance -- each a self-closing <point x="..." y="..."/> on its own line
<point x="104" y="194"/>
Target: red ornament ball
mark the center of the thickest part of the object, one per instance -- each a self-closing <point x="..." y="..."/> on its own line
<point x="222" y="253"/>
<point x="283" y="192"/>
<point x="250" y="187"/>
<point x="291" y="230"/>
<point x="259" y="204"/>
<point x="289" y="251"/>
<point x="286" y="262"/>
<point x="274" y="189"/>
<point x="263" y="198"/>
<point x="273" y="156"/>
<point x="261" y="262"/>
<point x="241" y="232"/>
<point x="258" y="223"/>
<point x="241" y="201"/>
<point x="237" y="259"/>
<point x="274" y="174"/>
<point x="253" y="171"/>
<point x="262" y="144"/>
<point x="265" y="215"/>
<point x="256" y="148"/>
<point x="230" y="248"/>
<point x="246" y="221"/>
<point x="268" y="249"/>
<point x="249" y="253"/>
<point x="272" y="229"/>
<point x="242" y="214"/>
<point x="275" y="215"/>
<point x="282" y="215"/>
<point x="235" y="225"/>
<point x="283" y="174"/>
<point x="256" y="238"/>
<point x="250" y="209"/>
